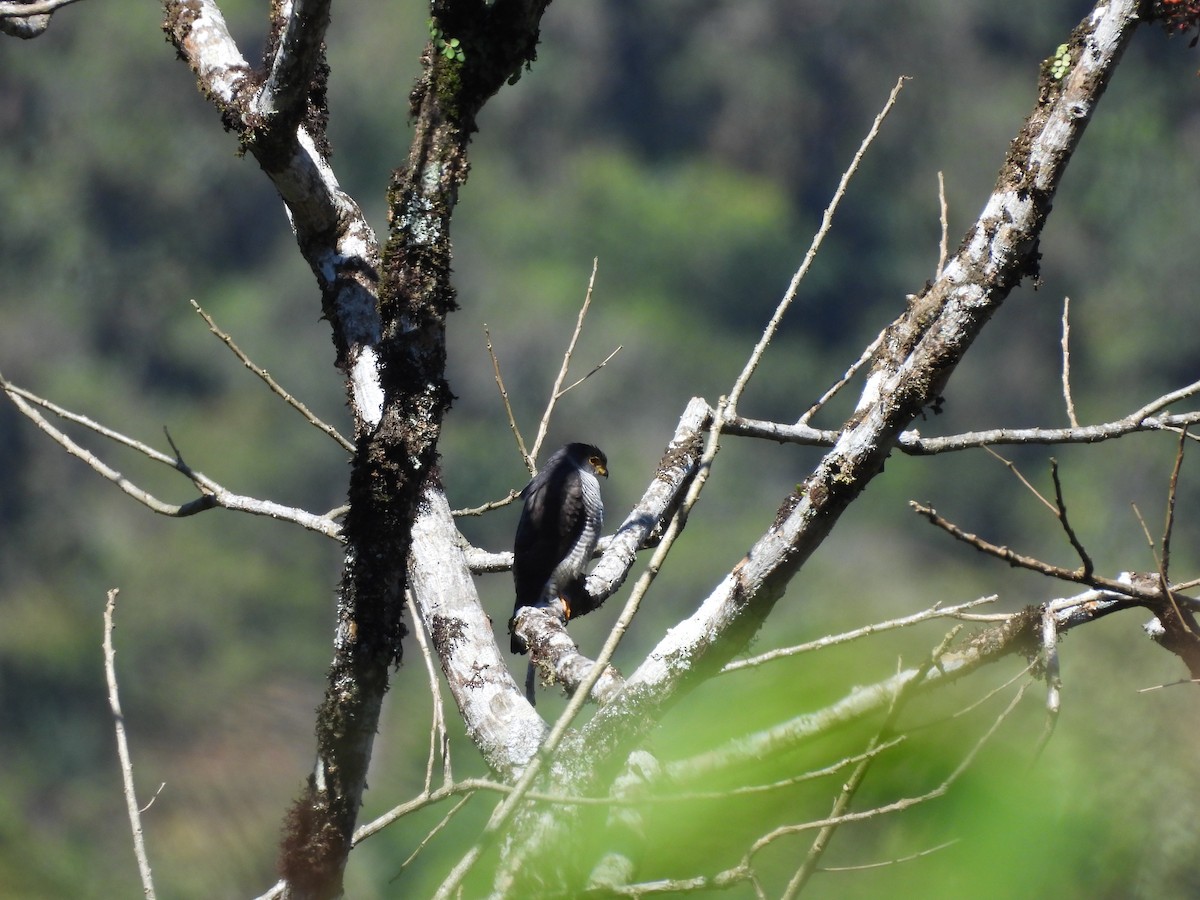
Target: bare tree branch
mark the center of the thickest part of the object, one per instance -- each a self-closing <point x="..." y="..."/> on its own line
<point x="913" y="443"/>
<point x="944" y="221"/>
<point x="331" y="231"/>
<point x="212" y="494"/>
<point x="1066" y="363"/>
<point x="488" y="507"/>
<point x="592" y="371"/>
<point x="555" y="655"/>
<point x="1134" y="590"/>
<point x="735" y="394"/>
<point x="891" y="862"/>
<point x="504" y="727"/>
<point x="895" y="806"/>
<point x="439" y="737"/>
<point x="36" y="8"/>
<point x="934" y="612"/>
<point x="270" y="382"/>
<point x="298" y="53"/>
<point x="1169" y="525"/>
<point x="1060" y="504"/>
<point x="526" y="458"/>
<point x="556" y="392"/>
<point x="114" y="702"/>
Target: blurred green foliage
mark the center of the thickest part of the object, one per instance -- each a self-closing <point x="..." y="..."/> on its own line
<point x="690" y="145"/>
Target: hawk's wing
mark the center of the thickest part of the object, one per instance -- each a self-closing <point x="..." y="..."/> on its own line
<point x="550" y="526"/>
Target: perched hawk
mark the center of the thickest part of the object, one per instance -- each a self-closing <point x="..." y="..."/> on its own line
<point x="559" y="527"/>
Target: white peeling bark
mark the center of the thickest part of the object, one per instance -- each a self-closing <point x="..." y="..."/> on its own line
<point x="505" y="728"/>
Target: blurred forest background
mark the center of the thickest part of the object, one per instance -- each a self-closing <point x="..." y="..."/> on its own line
<point x="691" y="146"/>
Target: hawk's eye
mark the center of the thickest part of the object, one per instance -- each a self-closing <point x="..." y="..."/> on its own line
<point x="594" y="460"/>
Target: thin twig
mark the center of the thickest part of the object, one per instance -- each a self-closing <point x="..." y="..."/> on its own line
<point x="1066" y="362"/>
<point x="1187" y="585"/>
<point x="423" y="800"/>
<point x="1159" y="687"/>
<point x="1165" y="400"/>
<point x="749" y="789"/>
<point x="439" y="738"/>
<point x="1168" y="530"/>
<point x="1137" y="514"/>
<point x="466" y="786"/>
<point x="1158" y="562"/>
<point x="1060" y="504"/>
<point x="944" y="220"/>
<point x="150" y="802"/>
<point x="674" y="886"/>
<point x="934" y="612"/>
<point x="866" y="356"/>
<point x="1169" y="525"/>
<point x="1076" y="576"/>
<point x="998" y="689"/>
<point x="578" y="381"/>
<point x="486" y="507"/>
<point x="433" y="832"/>
<point x="555" y="391"/>
<point x="512" y="421"/>
<point x="114" y="702"/>
<point x="270" y="382"/>
<point x="891" y="862"/>
<point x="18" y="397"/>
<point x="735" y="395"/>
<point x="1012" y="467"/>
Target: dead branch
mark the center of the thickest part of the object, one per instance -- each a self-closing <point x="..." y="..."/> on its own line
<point x="439" y="737"/>
<point x="526" y="458"/>
<point x="735" y="393"/>
<point x="934" y="612"/>
<point x="1066" y="363"/>
<point x="556" y="392"/>
<point x="1060" y="504"/>
<point x="35" y="8"/>
<point x="557" y="658"/>
<point x="212" y="494"/>
<point x="114" y="702"/>
<point x="944" y="222"/>
<point x="486" y="507"/>
<point x="506" y="730"/>
<point x="1019" y="560"/>
<point x="270" y="382"/>
<point x="912" y="442"/>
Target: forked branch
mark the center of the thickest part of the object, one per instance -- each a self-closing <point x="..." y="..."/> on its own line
<point x="212" y="494"/>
